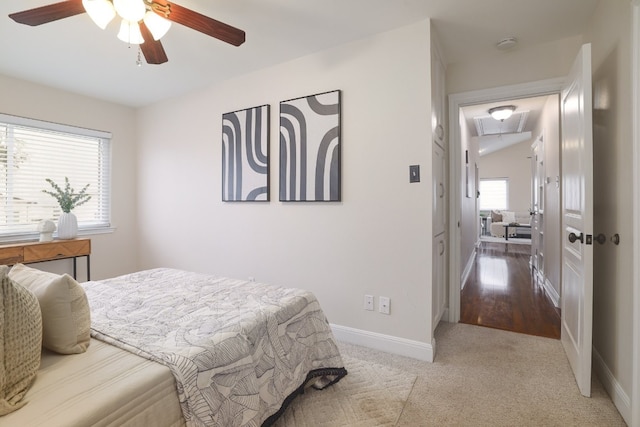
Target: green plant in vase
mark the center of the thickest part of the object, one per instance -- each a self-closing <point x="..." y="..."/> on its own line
<point x="68" y="200"/>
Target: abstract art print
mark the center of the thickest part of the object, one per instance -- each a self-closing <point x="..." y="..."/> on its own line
<point x="310" y="148"/>
<point x="245" y="155"/>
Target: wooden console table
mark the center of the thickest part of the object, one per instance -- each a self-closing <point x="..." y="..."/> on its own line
<point x="30" y="252"/>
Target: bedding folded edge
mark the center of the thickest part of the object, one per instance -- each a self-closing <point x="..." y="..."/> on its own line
<point x="326" y="376"/>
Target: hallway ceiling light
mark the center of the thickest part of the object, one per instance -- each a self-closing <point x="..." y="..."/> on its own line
<point x="502" y="112"/>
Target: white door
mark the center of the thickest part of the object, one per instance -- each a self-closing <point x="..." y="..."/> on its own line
<point x="577" y="219"/>
<point x="535" y="185"/>
<point x="439" y="165"/>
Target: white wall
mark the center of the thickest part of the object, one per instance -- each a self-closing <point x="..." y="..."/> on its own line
<point x="514" y="163"/>
<point x="115" y="253"/>
<point x="610" y="34"/>
<point x="520" y="65"/>
<point x="376" y="241"/>
<point x="549" y="128"/>
<point x="469" y="219"/>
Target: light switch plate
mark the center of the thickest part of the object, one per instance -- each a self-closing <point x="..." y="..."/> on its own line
<point x="414" y="173"/>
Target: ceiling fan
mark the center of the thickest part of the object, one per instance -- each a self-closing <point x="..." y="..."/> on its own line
<point x="144" y="22"/>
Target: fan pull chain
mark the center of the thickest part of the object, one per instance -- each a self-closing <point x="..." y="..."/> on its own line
<point x="139" y="61"/>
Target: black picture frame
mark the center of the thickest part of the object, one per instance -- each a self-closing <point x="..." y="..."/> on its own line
<point x="466" y="174"/>
<point x="310" y="148"/>
<point x="245" y="155"/>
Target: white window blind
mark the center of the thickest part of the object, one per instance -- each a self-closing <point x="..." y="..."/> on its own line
<point x="494" y="194"/>
<point x="32" y="151"/>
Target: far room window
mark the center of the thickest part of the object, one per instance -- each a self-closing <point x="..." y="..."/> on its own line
<point x="493" y="194"/>
<point x="32" y="151"/>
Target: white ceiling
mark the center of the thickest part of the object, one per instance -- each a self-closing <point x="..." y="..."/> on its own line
<point x="507" y="133"/>
<point x="75" y="55"/>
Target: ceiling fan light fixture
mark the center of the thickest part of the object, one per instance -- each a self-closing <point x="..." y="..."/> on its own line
<point x="502" y="112"/>
<point x="134" y="30"/>
<point x="130" y="32"/>
<point x="101" y="12"/>
<point x="157" y="25"/>
<point x="130" y="10"/>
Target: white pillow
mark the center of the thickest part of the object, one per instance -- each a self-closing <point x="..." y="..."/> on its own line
<point x="508" y="217"/>
<point x="66" y="320"/>
<point x="20" y="342"/>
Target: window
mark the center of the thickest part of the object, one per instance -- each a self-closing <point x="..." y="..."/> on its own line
<point x="493" y="194"/>
<point x="32" y="151"/>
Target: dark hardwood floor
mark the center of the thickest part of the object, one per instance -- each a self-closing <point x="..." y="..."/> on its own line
<point x="501" y="292"/>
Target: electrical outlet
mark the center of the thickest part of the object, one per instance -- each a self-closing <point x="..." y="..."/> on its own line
<point x="368" y="302"/>
<point x="385" y="305"/>
<point x="252" y="279"/>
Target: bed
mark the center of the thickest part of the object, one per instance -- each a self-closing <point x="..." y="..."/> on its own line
<point x="104" y="386"/>
<point x="170" y="347"/>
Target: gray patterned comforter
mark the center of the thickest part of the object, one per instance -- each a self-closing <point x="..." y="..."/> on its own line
<point x="239" y="350"/>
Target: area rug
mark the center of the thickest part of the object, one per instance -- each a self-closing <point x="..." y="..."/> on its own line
<point x="370" y="395"/>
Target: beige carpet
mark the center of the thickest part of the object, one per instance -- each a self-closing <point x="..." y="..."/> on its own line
<point x="370" y="395"/>
<point x="481" y="377"/>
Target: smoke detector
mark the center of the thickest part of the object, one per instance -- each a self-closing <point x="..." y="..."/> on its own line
<point x="506" y="43"/>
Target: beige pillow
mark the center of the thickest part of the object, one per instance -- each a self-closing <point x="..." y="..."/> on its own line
<point x="509" y="217"/>
<point x="496" y="216"/>
<point x="65" y="309"/>
<point x="20" y="342"/>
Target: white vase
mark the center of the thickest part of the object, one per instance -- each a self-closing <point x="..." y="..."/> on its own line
<point x="67" y="226"/>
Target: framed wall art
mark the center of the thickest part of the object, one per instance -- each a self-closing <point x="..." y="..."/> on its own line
<point x="245" y="155"/>
<point x="310" y="148"/>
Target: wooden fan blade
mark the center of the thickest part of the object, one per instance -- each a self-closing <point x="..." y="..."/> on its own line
<point x="199" y="22"/>
<point x="152" y="49"/>
<point x="49" y="13"/>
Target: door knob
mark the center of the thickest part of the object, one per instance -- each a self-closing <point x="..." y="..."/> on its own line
<point x="601" y="238"/>
<point x="573" y="237"/>
<point x="615" y="239"/>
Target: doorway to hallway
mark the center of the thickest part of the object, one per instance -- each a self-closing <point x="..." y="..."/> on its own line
<point x="509" y="159"/>
<point x="465" y="231"/>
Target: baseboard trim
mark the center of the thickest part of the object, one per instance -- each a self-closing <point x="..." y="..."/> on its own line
<point x="551" y="292"/>
<point x="467" y="269"/>
<point x="387" y="343"/>
<point x="617" y="394"/>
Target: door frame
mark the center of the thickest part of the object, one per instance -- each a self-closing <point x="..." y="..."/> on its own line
<point x="456" y="102"/>
<point x="635" y="69"/>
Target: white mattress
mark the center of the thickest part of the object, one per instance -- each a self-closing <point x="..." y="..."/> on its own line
<point x="106" y="386"/>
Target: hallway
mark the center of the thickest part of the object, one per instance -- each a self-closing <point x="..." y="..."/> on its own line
<point x="502" y="293"/>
